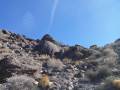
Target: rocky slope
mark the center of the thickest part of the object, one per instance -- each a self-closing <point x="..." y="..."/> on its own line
<point x="23" y="61"/>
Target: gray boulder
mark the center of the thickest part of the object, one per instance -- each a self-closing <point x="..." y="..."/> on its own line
<point x="48" y="46"/>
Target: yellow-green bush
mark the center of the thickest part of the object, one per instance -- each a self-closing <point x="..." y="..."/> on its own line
<point x="116" y="83"/>
<point x="77" y="62"/>
<point x="5" y="50"/>
<point x="44" y="81"/>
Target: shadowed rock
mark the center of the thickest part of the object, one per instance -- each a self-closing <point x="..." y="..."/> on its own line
<point x="7" y="68"/>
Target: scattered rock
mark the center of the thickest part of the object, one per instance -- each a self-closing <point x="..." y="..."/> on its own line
<point x="28" y="57"/>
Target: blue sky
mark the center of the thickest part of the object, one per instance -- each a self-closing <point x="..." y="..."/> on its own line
<point x="84" y="22"/>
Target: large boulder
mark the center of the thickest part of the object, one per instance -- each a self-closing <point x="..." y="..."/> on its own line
<point x="47" y="37"/>
<point x="48" y="45"/>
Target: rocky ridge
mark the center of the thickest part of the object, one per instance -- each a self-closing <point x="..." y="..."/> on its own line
<point x="68" y="67"/>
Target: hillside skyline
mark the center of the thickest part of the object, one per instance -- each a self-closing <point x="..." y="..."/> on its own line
<point x="71" y="22"/>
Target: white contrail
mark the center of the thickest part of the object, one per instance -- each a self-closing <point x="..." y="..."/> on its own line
<point x="55" y="4"/>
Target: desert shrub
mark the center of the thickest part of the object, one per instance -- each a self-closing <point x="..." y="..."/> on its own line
<point x="66" y="60"/>
<point x="3" y="87"/>
<point x="5" y="50"/>
<point x="95" y="54"/>
<point x="104" y="72"/>
<point x="44" y="81"/>
<point x="111" y="83"/>
<point x="93" y="62"/>
<point x="110" y="57"/>
<point x="19" y="83"/>
<point x="97" y="76"/>
<point x="92" y="76"/>
<point x="44" y="57"/>
<point x="77" y="62"/>
<point x="116" y="83"/>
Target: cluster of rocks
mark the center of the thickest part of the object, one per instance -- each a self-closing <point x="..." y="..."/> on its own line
<point x="24" y="56"/>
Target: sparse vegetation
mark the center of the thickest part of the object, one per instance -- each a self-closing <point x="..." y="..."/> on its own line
<point x="100" y="74"/>
<point x="66" y="60"/>
<point x="19" y="83"/>
<point x="110" y="56"/>
<point x="111" y="83"/>
<point x="92" y="75"/>
<point x="77" y="62"/>
<point x="5" y="50"/>
<point x="64" y="67"/>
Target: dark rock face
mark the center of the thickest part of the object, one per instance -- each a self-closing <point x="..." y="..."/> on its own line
<point x="7" y="68"/>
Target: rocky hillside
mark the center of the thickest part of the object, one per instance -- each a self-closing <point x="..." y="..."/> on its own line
<point x="45" y="64"/>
